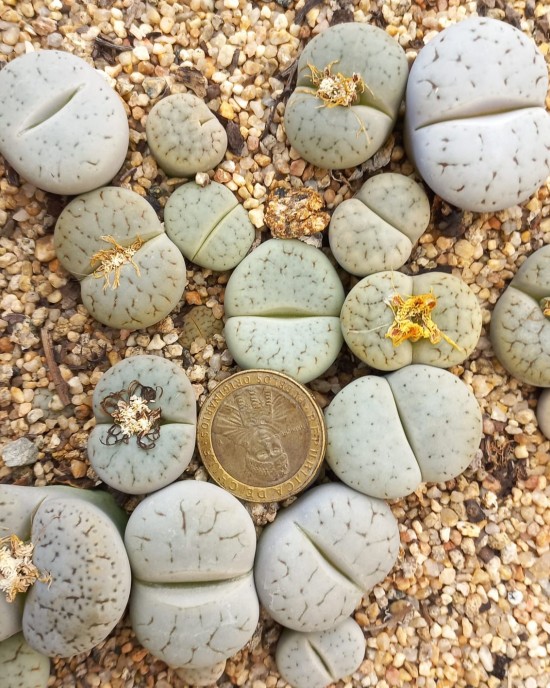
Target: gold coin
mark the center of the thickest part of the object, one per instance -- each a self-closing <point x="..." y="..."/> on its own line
<point x="261" y="436"/>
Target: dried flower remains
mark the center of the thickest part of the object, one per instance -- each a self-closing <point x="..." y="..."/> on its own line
<point x="111" y="260"/>
<point x="132" y="416"/>
<point x="336" y="89"/>
<point x="17" y="571"/>
<point x="545" y="305"/>
<point x="413" y="320"/>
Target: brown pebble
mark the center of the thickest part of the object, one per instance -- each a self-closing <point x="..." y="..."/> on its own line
<point x="193" y="298"/>
<point x="126" y="648"/>
<point x="44" y="249"/>
<point x="78" y="468"/>
<point x="6" y="346"/>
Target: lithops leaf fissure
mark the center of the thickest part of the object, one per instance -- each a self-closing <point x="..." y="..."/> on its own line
<point x="301" y="347"/>
<point x="284" y="278"/>
<point x="322" y="554"/>
<point x="443" y="332"/>
<point x="520" y="327"/>
<point x="81" y="549"/>
<point x="208" y="225"/>
<point x="191" y="548"/>
<point x="61" y="126"/>
<point x="313" y="660"/>
<point x="112" y="211"/>
<point x="414" y="433"/>
<point x="184" y="135"/>
<point x="476" y="123"/>
<point x="211" y="536"/>
<point x="194" y="625"/>
<point x="364" y="437"/>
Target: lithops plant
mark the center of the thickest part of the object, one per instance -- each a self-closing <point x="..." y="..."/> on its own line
<point x="63" y="546"/>
<point x="131" y="274"/>
<point x="61" y="125"/>
<point x="282" y="305"/>
<point x="387" y="435"/>
<point x="320" y="556"/>
<point x="206" y="676"/>
<point x="351" y="80"/>
<point x="317" y="659"/>
<point x="543" y="413"/>
<point x="476" y="123"/>
<point x="377" y="228"/>
<point x="390" y="320"/>
<point x="208" y="225"/>
<point x="184" y="135"/>
<point x="146" y="419"/>
<point x="191" y="547"/>
<point x="520" y="323"/>
<point x="21" y="666"/>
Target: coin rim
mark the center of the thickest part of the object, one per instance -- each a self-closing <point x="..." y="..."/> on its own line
<point x="243" y="491"/>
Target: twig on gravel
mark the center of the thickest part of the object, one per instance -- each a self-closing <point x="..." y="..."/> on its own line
<point x="61" y="386"/>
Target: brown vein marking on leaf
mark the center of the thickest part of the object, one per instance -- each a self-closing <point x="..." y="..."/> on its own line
<point x="17" y="571"/>
<point x="111" y="260"/>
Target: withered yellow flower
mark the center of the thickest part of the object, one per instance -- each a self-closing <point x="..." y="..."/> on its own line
<point x="111" y="260"/>
<point x="413" y="320"/>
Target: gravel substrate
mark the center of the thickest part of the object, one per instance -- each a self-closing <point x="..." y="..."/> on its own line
<point x="467" y="604"/>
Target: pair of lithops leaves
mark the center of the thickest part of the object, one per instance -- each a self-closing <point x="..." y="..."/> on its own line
<point x="132" y="271"/>
<point x="476" y="123"/>
<point x="520" y="329"/>
<point x="286" y="311"/>
<point x="187" y="553"/>
<point x="58" y="548"/>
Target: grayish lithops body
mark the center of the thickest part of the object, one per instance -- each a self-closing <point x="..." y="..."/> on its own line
<point x="376" y="230"/>
<point x="208" y="225"/>
<point x="153" y="453"/>
<point x="520" y="323"/>
<point x="191" y="547"/>
<point x="131" y="274"/>
<point x="184" y="135"/>
<point x="386" y="435"/>
<point x="77" y="547"/>
<point x="61" y="125"/>
<point x="282" y="305"/>
<point x="351" y="80"/>
<point x="322" y="554"/>
<point x="372" y="309"/>
<point x="21" y="666"/>
<point x="476" y="121"/>
<point x="81" y="549"/>
<point x="543" y="413"/>
<point x="206" y="676"/>
<point x="317" y="659"/>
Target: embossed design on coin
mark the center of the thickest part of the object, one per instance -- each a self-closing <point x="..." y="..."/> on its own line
<point x="261" y="435"/>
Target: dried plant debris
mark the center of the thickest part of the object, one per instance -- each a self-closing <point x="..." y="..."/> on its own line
<point x="132" y="416"/>
<point x="17" y="571"/>
<point x="292" y="213"/>
<point x="111" y="261"/>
